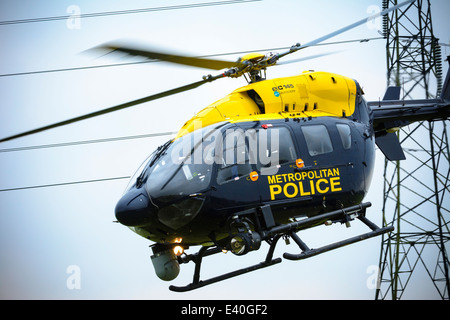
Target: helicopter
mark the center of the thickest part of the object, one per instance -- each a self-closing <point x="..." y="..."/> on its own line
<point x="263" y="163"/>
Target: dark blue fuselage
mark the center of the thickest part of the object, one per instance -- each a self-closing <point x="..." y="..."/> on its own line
<point x="298" y="166"/>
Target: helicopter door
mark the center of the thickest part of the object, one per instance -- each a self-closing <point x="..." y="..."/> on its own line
<point x="275" y="163"/>
<point x="234" y="190"/>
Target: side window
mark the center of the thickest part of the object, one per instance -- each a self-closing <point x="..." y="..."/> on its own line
<point x="317" y="139"/>
<point x="234" y="161"/>
<point x="275" y="148"/>
<point x="345" y="134"/>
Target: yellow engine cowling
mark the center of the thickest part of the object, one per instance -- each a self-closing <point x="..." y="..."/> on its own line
<point x="311" y="94"/>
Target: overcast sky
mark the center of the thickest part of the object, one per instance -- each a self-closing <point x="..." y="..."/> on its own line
<point x="48" y="232"/>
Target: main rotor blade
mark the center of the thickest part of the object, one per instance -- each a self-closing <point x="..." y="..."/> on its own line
<point x="357" y="23"/>
<point x="173" y="58"/>
<point x="344" y="29"/>
<point x="116" y="108"/>
<point x="307" y="58"/>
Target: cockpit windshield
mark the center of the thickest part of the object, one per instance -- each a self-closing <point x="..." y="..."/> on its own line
<point x="184" y="167"/>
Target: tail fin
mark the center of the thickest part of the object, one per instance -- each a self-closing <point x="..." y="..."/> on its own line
<point x="392" y="93"/>
<point x="390" y="146"/>
<point x="393" y="113"/>
<point x="388" y="141"/>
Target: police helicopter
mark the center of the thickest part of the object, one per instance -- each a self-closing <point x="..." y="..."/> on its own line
<point x="266" y="161"/>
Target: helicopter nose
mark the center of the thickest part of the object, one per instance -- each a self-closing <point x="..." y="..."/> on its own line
<point x="134" y="209"/>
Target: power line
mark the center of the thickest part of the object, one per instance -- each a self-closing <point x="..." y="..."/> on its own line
<point x="123" y="12"/>
<point x="78" y="143"/>
<point x="152" y="61"/>
<point x="74" y="143"/>
<point x="64" y="184"/>
<point x="73" y="69"/>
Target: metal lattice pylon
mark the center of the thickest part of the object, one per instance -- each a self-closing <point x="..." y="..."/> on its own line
<point x="416" y="200"/>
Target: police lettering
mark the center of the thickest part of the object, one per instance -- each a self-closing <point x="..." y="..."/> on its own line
<point x="305" y="183"/>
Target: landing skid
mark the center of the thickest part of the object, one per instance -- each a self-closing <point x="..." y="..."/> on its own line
<point x="197" y="258"/>
<point x="272" y="234"/>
